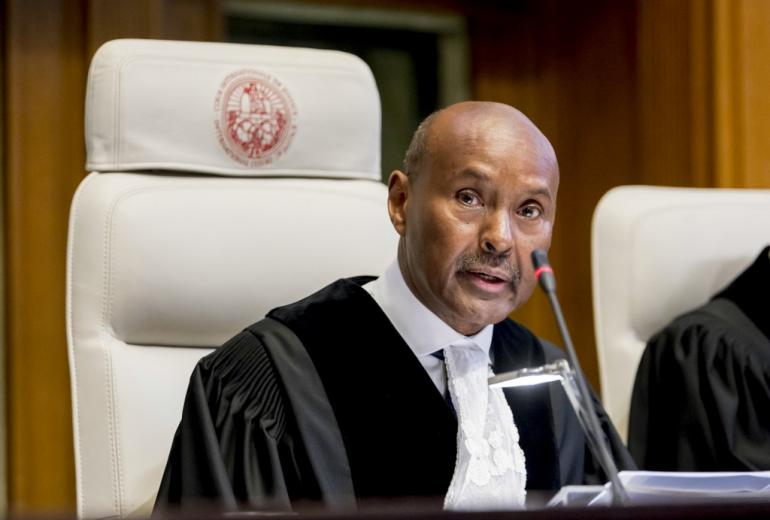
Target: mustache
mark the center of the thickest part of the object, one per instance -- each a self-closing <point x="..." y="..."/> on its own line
<point x="478" y="260"/>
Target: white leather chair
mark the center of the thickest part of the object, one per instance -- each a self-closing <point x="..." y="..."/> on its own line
<point x="659" y="252"/>
<point x="226" y="180"/>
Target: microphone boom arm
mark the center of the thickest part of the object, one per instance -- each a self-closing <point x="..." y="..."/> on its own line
<point x="590" y="422"/>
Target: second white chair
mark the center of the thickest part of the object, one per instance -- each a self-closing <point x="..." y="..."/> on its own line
<point x="658" y="252"/>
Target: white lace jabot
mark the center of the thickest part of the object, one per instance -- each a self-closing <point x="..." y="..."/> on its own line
<point x="489" y="472"/>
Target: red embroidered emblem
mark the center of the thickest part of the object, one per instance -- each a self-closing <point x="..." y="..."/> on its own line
<point x="255" y="122"/>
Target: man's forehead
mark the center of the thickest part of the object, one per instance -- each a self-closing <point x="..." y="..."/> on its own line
<point x="478" y="128"/>
<point x="491" y="123"/>
<point x="481" y="108"/>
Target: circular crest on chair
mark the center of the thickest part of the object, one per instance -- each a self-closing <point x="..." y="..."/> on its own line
<point x="255" y="117"/>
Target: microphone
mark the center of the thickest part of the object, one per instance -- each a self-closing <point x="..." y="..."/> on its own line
<point x="590" y="422"/>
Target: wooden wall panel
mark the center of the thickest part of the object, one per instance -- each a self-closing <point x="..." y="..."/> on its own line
<point x="742" y="102"/>
<point x="3" y="342"/>
<point x="570" y="67"/>
<point x="45" y="78"/>
<point x="700" y="60"/>
<point x="167" y="19"/>
<point x="754" y="44"/>
<point x="664" y="75"/>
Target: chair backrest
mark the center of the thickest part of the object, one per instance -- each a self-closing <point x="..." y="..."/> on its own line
<point x="657" y="253"/>
<point x="226" y="180"/>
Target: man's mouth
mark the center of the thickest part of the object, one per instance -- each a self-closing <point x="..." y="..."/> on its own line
<point x="490" y="277"/>
<point x="489" y="281"/>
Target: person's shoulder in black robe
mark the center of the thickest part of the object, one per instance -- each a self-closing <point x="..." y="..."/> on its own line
<point x="702" y="390"/>
<point x="323" y="401"/>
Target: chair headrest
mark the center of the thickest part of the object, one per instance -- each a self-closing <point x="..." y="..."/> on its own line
<point x="230" y="109"/>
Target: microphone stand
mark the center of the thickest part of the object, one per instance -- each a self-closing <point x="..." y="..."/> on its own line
<point x="596" y="438"/>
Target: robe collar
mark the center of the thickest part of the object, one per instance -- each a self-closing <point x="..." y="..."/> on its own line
<point x="749" y="291"/>
<point x="421" y="329"/>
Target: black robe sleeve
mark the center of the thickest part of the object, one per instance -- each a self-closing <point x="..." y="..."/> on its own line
<point x="237" y="445"/>
<point x="702" y="395"/>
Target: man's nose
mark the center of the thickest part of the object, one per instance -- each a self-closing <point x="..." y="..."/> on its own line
<point x="497" y="233"/>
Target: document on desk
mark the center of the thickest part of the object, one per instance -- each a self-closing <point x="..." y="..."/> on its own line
<point x="657" y="487"/>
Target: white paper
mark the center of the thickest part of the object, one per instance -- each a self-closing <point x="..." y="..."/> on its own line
<point x="655" y="487"/>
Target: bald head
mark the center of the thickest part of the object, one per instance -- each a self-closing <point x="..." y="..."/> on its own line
<point x="466" y="121"/>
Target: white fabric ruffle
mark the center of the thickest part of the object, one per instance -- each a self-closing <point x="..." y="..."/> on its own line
<point x="489" y="472"/>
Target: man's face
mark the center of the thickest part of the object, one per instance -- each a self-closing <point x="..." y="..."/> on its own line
<point x="484" y="198"/>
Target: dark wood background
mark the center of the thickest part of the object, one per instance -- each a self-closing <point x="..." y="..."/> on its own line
<point x="670" y="92"/>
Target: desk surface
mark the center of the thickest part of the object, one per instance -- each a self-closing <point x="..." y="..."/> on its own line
<point x="738" y="509"/>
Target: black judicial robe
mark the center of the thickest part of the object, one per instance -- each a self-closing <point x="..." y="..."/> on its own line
<point x="323" y="401"/>
<point x="701" y="399"/>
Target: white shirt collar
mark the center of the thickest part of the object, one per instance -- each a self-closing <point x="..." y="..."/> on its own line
<point x="422" y="330"/>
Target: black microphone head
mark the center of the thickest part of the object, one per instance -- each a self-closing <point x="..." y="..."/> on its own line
<point x="543" y="271"/>
<point x="540" y="259"/>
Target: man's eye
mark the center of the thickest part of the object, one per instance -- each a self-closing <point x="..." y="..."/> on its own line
<point x="531" y="211"/>
<point x="468" y="198"/>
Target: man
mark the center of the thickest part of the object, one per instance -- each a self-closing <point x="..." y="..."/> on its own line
<point x="344" y="397"/>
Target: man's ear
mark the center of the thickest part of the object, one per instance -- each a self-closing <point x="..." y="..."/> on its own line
<point x="398" y="197"/>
